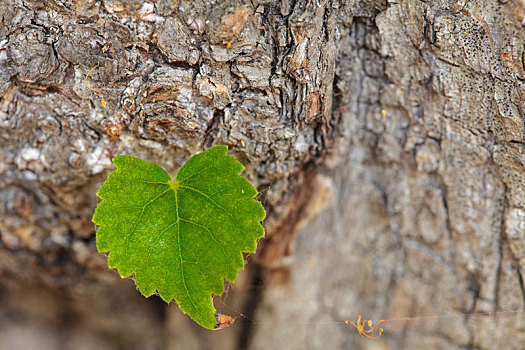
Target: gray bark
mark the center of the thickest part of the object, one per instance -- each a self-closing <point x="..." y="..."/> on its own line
<point x="386" y="138"/>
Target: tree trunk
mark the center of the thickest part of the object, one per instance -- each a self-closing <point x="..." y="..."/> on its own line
<point x="387" y="139"/>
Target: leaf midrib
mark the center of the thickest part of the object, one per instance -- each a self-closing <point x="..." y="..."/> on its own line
<point x="175" y="186"/>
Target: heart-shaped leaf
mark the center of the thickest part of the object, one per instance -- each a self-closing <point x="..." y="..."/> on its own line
<point x="180" y="238"/>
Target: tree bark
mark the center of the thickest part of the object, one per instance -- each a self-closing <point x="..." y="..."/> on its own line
<point x="387" y="139"/>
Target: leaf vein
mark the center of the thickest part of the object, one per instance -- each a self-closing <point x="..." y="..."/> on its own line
<point x="155" y="176"/>
<point x="208" y="230"/>
<point x="140" y="217"/>
<point x="200" y="266"/>
<point x="148" y="182"/>
<point x="127" y="207"/>
<point x="180" y="255"/>
<point x="213" y="201"/>
<point x="197" y="173"/>
<point x="222" y="190"/>
<point x="159" y="235"/>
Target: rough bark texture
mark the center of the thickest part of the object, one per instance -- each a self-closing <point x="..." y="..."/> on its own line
<point x="386" y="137"/>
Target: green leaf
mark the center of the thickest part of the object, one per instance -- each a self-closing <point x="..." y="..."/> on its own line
<point x="180" y="238"/>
